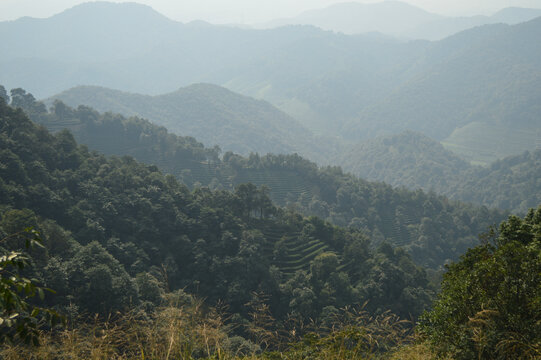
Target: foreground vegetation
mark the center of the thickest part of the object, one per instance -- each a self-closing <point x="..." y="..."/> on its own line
<point x="186" y="329"/>
<point x="490" y="303"/>
<point x="488" y="309"/>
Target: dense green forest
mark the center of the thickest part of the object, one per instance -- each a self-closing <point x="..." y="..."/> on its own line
<point x="431" y="228"/>
<point x="121" y="237"/>
<point x="118" y="233"/>
<point x="489" y="306"/>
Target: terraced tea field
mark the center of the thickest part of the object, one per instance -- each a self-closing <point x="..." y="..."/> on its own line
<point x="291" y="251"/>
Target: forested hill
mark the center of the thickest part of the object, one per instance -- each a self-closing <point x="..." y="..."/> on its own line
<point x="511" y="183"/>
<point x="118" y="234"/>
<point x="408" y="159"/>
<point x="416" y="161"/>
<point x="431" y="228"/>
<point x="210" y="113"/>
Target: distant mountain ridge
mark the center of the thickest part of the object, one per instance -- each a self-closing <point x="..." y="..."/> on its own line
<point x="480" y="82"/>
<point x="398" y="19"/>
<point x="210" y="113"/>
<point x="387" y="17"/>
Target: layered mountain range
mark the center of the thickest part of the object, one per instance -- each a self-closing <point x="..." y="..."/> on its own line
<point x="473" y="91"/>
<point x="399" y="19"/>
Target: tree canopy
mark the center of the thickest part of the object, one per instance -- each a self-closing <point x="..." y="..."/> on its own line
<point x="490" y="303"/>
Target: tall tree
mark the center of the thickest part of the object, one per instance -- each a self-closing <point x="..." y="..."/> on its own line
<point x="490" y="304"/>
<point x="4" y="94"/>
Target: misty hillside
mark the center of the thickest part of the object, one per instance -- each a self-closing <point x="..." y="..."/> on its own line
<point x="415" y="161"/>
<point x="212" y="114"/>
<point x="476" y="82"/>
<point x="408" y="159"/>
<point x="486" y="86"/>
<point x="115" y="45"/>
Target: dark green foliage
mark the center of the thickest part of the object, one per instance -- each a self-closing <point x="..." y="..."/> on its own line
<point x="20" y="317"/>
<point x="490" y="304"/>
<point x="117" y="220"/>
<point x="97" y="280"/>
<point x="21" y="99"/>
<point x="4" y="95"/>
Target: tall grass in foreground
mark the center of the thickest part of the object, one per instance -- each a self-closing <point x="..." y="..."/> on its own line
<point x="193" y="331"/>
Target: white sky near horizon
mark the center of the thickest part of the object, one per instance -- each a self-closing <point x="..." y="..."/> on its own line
<point x="251" y="11"/>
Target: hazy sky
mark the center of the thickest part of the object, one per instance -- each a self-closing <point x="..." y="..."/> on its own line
<point x="250" y="11"/>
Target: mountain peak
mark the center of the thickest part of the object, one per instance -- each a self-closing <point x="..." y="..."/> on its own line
<point x="388" y="17"/>
<point x="104" y="10"/>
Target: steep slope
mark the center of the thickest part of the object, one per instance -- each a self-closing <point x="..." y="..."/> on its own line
<point x="212" y="114"/>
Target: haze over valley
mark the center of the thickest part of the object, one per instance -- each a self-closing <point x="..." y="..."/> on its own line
<point x="360" y="180"/>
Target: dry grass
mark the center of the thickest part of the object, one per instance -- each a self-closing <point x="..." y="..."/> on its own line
<point x="193" y="331"/>
<point x="173" y="332"/>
